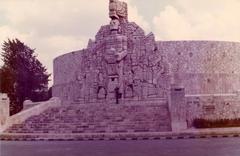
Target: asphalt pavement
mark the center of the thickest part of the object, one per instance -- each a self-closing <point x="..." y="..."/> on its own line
<point x="177" y="147"/>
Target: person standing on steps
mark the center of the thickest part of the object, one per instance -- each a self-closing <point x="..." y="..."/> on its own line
<point x="118" y="95"/>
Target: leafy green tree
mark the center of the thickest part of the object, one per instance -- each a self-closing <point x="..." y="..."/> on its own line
<point x="23" y="75"/>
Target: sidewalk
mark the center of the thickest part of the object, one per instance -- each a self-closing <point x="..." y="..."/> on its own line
<point x="231" y="130"/>
<point x="187" y="134"/>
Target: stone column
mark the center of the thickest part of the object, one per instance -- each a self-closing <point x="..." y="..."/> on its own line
<point x="4" y="109"/>
<point x="177" y="107"/>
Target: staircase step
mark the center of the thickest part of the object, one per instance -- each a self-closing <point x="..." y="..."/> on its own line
<point x="98" y="118"/>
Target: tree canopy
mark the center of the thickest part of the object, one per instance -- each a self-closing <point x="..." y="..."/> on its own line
<point x="22" y="76"/>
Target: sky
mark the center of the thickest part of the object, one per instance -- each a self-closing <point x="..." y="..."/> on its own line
<point x="56" y="27"/>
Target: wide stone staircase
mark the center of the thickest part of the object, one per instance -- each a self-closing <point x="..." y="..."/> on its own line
<point x="98" y="118"/>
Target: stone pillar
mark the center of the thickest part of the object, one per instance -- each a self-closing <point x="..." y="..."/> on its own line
<point x="4" y="109"/>
<point x="177" y="107"/>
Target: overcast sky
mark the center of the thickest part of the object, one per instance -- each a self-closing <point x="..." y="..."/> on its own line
<point x="55" y="27"/>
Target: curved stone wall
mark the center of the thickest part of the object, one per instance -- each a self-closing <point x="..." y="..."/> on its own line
<point x="204" y="66"/>
<point x="65" y="68"/>
<point x="200" y="66"/>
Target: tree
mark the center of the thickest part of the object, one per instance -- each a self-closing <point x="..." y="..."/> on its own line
<point x="23" y="76"/>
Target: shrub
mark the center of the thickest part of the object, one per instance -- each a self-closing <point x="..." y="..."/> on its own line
<point x="218" y="123"/>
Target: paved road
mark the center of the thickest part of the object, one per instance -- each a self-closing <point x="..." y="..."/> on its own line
<point x="192" y="147"/>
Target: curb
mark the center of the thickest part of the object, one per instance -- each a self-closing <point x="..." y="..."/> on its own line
<point x="113" y="138"/>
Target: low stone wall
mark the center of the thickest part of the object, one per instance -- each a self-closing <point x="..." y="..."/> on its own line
<point x="4" y="109"/>
<point x="212" y="106"/>
<point x="27" y="104"/>
<point x="25" y="114"/>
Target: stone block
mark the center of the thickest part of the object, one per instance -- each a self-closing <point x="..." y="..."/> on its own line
<point x="178" y="109"/>
<point x="4" y="109"/>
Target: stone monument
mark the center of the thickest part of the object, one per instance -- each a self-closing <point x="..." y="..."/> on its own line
<point x="150" y="80"/>
<point x="122" y="62"/>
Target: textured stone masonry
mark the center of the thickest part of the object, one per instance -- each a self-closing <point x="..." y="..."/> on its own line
<point x="98" y="118"/>
<point x="204" y="67"/>
<point x="4" y="109"/>
<point x="122" y="61"/>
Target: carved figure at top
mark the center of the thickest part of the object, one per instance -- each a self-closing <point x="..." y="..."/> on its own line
<point x="118" y="10"/>
<point x="114" y="25"/>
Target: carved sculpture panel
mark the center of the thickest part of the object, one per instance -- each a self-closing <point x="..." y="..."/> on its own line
<point x="121" y="57"/>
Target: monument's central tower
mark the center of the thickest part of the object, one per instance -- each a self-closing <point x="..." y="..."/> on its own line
<point x="116" y="51"/>
<point x="120" y="63"/>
